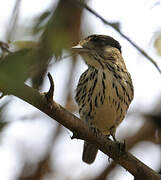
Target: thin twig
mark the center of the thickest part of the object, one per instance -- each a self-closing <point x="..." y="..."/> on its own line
<point x="2" y="95"/>
<point x="50" y="93"/>
<point x="13" y="20"/>
<point x="83" y="5"/>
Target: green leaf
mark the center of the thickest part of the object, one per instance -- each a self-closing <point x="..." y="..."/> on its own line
<point x="14" y="68"/>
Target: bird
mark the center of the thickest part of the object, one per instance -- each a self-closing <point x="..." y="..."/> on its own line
<point x="104" y="91"/>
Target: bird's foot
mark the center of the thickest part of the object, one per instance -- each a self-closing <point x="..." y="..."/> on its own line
<point x="121" y="147"/>
<point x="95" y="130"/>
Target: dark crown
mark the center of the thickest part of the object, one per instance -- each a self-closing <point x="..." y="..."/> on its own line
<point x="103" y="40"/>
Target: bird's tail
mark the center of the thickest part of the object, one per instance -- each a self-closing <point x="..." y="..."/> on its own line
<point x="89" y="152"/>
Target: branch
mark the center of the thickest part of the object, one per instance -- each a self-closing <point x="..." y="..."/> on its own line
<point x="80" y="130"/>
<point x="85" y="6"/>
<point x="146" y="133"/>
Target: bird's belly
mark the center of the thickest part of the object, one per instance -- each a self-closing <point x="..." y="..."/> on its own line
<point x="105" y="117"/>
<point x="103" y="104"/>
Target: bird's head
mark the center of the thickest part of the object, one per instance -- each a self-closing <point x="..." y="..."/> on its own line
<point x="98" y="49"/>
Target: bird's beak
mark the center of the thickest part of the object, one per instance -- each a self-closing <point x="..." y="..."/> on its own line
<point x="78" y="48"/>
